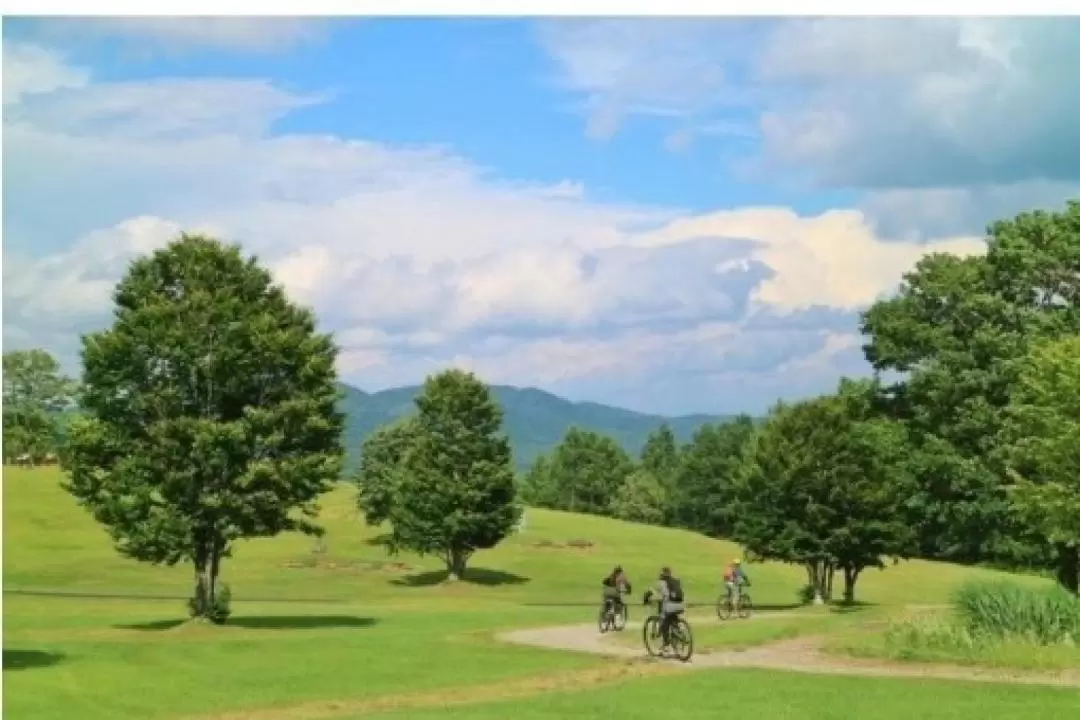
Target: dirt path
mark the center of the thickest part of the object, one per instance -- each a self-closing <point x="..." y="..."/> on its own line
<point x="798" y="655"/>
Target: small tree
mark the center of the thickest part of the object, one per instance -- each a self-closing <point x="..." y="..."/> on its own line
<point x="586" y="471"/>
<point x="708" y="467"/>
<point x="211" y="413"/>
<point x="378" y="478"/>
<point x="34" y="391"/>
<point x="537" y="487"/>
<point x="642" y="498"/>
<point x="823" y="487"/>
<point x="454" y="484"/>
<point x="1042" y="441"/>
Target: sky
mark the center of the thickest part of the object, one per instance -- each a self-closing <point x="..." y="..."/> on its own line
<point x="668" y="215"/>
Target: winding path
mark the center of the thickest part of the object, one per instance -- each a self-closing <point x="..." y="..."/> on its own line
<point x="803" y="654"/>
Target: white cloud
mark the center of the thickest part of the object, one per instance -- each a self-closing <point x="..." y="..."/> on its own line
<point x="418" y="258"/>
<point x="979" y="111"/>
<point x="29" y="69"/>
<point x="248" y="34"/>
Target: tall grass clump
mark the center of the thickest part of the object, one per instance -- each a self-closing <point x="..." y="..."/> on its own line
<point x="1006" y="611"/>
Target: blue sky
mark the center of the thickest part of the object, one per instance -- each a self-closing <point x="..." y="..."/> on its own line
<point x="668" y="215"/>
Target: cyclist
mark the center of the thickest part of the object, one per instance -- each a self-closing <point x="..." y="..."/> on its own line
<point x="672" y="603"/>
<point x="614" y="586"/>
<point x="734" y="578"/>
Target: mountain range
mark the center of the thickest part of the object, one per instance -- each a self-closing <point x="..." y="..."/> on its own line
<point x="534" y="420"/>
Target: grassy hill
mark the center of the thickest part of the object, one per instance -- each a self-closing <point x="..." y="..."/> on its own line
<point x="345" y="632"/>
<point x="535" y="420"/>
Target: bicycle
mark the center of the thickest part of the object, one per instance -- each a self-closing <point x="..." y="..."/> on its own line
<point x="680" y="635"/>
<point x="726" y="606"/>
<point x="612" y="617"/>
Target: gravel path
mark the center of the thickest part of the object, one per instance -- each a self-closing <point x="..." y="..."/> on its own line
<point x="802" y="654"/>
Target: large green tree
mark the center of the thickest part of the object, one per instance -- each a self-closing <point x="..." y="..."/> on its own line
<point x="210" y="412"/>
<point x="954" y="334"/>
<point x="708" y="466"/>
<point x="823" y="486"/>
<point x="1042" y="448"/>
<point x="447" y="486"/>
<point x="642" y="498"/>
<point x="583" y="474"/>
<point x="35" y="390"/>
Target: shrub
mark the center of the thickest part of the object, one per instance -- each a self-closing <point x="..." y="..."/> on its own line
<point x="1043" y="616"/>
<point x="220" y="606"/>
<point x="806" y="594"/>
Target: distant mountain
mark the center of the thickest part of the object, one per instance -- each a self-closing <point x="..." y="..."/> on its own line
<point x="535" y="420"/>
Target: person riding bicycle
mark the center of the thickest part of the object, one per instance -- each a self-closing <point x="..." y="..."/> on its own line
<point x="734" y="578"/>
<point x="671" y="605"/>
<point x="615" y="586"/>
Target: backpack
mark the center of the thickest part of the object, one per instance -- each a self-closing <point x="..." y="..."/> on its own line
<point x="729" y="574"/>
<point x="674" y="589"/>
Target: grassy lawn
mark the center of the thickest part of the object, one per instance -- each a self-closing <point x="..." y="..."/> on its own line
<point x="777" y="696"/>
<point x="351" y="628"/>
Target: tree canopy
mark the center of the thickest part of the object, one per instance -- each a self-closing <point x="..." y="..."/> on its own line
<point x="209" y="411"/>
<point x="444" y="478"/>
<point x="34" y="392"/>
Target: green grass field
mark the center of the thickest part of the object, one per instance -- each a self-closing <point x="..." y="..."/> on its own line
<point x="344" y="631"/>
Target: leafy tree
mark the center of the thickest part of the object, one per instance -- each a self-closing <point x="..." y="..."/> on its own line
<point x="660" y="459"/>
<point x="455" y="491"/>
<point x="537" y="488"/>
<point x="585" y="472"/>
<point x="378" y="477"/>
<point x="642" y="498"/>
<point x="955" y="333"/>
<point x="708" y="466"/>
<point x="1042" y="440"/>
<point x="34" y="391"/>
<point x="210" y="413"/>
<point x="823" y="486"/>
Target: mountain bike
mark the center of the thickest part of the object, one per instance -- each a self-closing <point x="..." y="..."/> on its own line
<point x="613" y="615"/>
<point x="682" y="638"/>
<point x="726" y="606"/>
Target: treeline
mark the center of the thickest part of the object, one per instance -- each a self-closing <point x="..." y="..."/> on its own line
<point x="36" y="396"/>
<point x="965" y="446"/>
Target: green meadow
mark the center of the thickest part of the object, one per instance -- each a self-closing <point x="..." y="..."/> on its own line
<point x="338" y="629"/>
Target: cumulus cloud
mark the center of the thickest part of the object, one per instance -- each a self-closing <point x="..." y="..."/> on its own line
<point x="418" y="258"/>
<point x="954" y="120"/>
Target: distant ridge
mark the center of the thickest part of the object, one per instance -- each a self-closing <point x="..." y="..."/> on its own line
<point x="535" y="420"/>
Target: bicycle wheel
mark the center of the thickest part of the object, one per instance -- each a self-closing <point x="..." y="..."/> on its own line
<point x="650" y="633"/>
<point x="619" y="618"/>
<point x="682" y="640"/>
<point x="723" y="608"/>
<point x="604" y="621"/>
<point x="746" y="606"/>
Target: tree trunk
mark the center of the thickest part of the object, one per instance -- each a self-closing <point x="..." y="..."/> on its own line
<point x="1068" y="567"/>
<point x="455" y="565"/>
<point x="819" y="573"/>
<point x="851" y="576"/>
<point x="207" y="565"/>
<point x="830" y="573"/>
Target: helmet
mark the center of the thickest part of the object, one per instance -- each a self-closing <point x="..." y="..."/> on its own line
<point x="737" y="561"/>
<point x="618" y="569"/>
<point x="665" y="572"/>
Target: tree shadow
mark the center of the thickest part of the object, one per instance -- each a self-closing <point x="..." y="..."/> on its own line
<point x="29" y="659"/>
<point x="844" y="607"/>
<point x="475" y="576"/>
<point x="267" y="622"/>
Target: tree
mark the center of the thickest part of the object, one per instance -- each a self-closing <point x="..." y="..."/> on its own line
<point x="642" y="498"/>
<point x="585" y="472"/>
<point x="1042" y="441"/>
<point x="455" y="491"/>
<point x="537" y="487"/>
<point x="379" y="475"/>
<point x="703" y="483"/>
<point x="823" y="486"/>
<point x="34" y="391"/>
<point x="954" y="333"/>
<point x="210" y="412"/>
<point x="660" y="460"/>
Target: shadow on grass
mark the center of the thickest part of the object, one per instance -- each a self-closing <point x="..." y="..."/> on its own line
<point x="692" y="606"/>
<point x="29" y="659"/>
<point x="844" y="607"/>
<point x="268" y="622"/>
<point x="475" y="576"/>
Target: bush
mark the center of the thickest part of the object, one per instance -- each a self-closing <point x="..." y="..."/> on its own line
<point x="806" y="594"/>
<point x="221" y="606"/>
<point x="1044" y="616"/>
